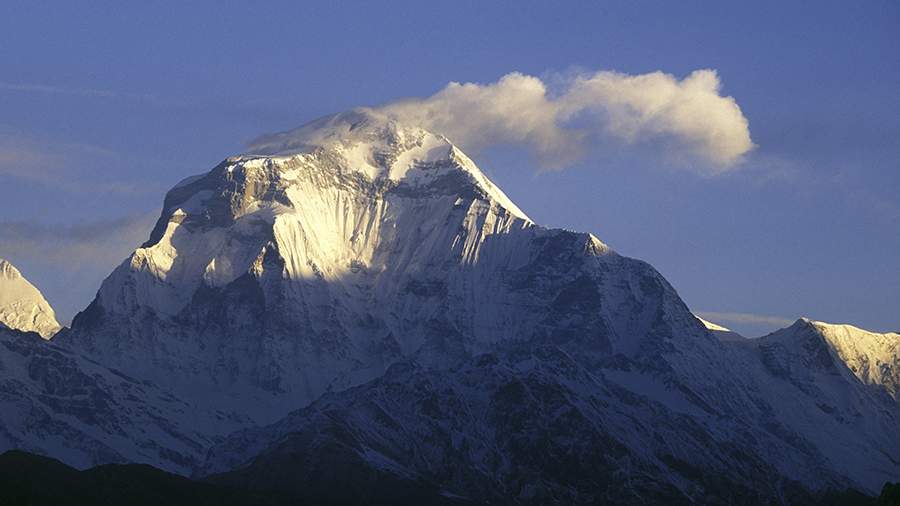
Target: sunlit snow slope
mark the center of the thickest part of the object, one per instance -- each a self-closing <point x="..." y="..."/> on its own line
<point x="22" y="306"/>
<point x="872" y="357"/>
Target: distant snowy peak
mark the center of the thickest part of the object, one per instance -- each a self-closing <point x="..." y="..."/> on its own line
<point x="22" y="306"/>
<point x="872" y="357"/>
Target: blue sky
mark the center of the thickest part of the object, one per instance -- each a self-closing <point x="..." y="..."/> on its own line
<point x="103" y="106"/>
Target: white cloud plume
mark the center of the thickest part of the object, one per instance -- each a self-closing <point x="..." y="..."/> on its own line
<point x="689" y="118"/>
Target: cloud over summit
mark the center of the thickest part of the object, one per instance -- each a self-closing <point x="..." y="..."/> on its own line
<point x="688" y="118"/>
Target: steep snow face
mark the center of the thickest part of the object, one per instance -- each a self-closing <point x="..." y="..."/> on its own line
<point x="328" y="253"/>
<point x="874" y="358"/>
<point x="840" y="350"/>
<point x="22" y="306"/>
<point x="328" y="201"/>
<point x="372" y="143"/>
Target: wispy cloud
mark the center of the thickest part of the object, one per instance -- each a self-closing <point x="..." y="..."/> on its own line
<point x="74" y="246"/>
<point x="68" y="262"/>
<point x="232" y="108"/>
<point x="48" y="89"/>
<point x="689" y="119"/>
<point x="62" y="165"/>
<point x="746" y="318"/>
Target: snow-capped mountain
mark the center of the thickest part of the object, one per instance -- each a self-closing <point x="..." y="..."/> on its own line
<point x="358" y="284"/>
<point x="872" y="357"/>
<point x="22" y="306"/>
<point x="332" y="251"/>
<point x="818" y="398"/>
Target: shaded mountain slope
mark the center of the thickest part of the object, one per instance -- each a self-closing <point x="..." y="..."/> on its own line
<point x="527" y="428"/>
<point x="54" y="401"/>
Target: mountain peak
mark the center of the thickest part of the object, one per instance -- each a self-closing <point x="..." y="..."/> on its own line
<point x="380" y="147"/>
<point x="22" y="306"/>
<point x="8" y="270"/>
<point x="874" y="358"/>
<point x="354" y="126"/>
<point x="346" y="245"/>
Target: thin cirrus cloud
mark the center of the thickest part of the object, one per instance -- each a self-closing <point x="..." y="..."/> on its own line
<point x="92" y="244"/>
<point x="688" y="118"/>
<point x="66" y="166"/>
<point x="746" y="318"/>
<point x="82" y="92"/>
<point x="70" y="260"/>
